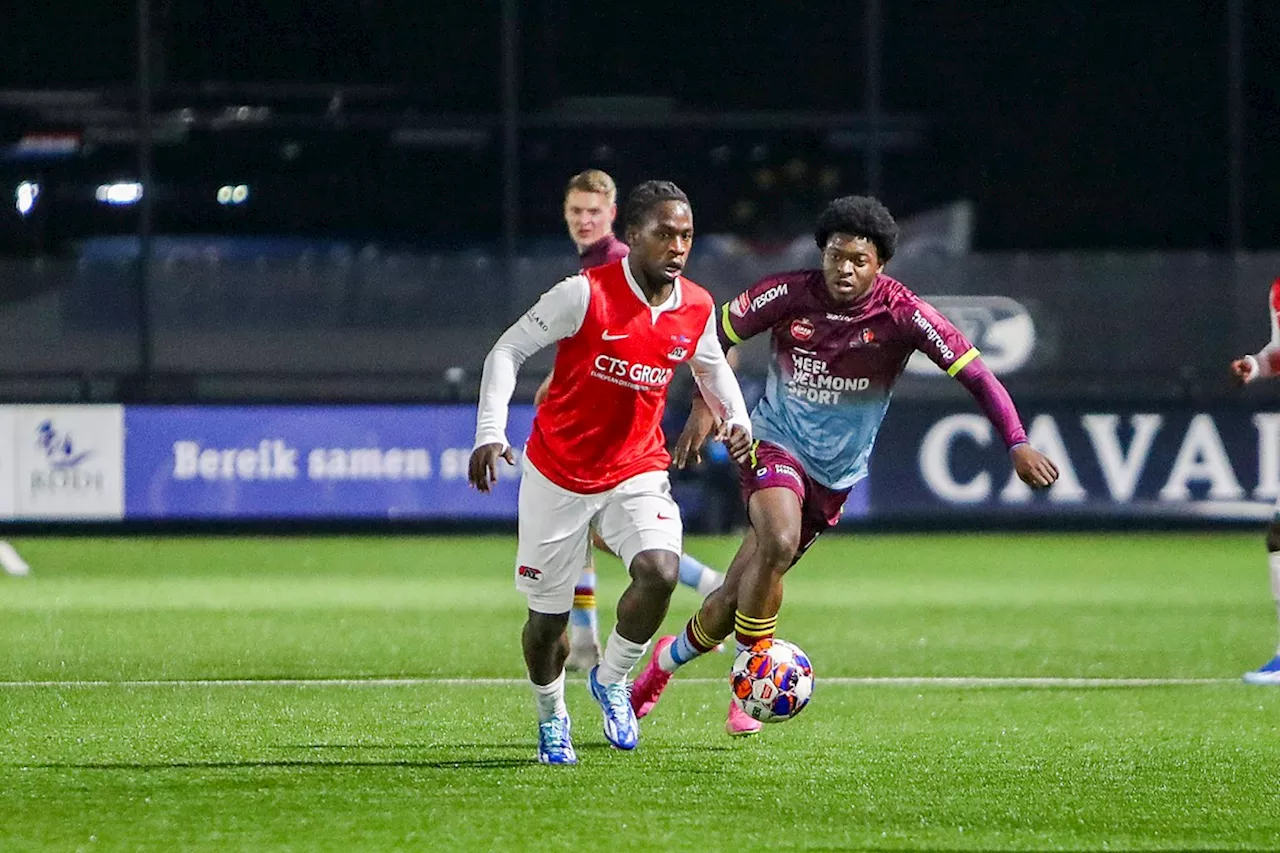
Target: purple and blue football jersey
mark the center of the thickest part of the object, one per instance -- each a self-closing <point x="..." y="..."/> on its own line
<point x="834" y="366"/>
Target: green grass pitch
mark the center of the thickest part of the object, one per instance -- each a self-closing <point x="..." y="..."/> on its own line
<point x="365" y="694"/>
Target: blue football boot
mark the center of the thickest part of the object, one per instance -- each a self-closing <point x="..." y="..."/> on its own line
<point x="1268" y="673"/>
<point x="620" y="726"/>
<point x="554" y="744"/>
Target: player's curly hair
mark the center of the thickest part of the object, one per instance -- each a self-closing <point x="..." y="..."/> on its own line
<point x="648" y="195"/>
<point x="861" y="216"/>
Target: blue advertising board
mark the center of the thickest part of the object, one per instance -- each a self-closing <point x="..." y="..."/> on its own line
<point x="310" y="462"/>
<point x="332" y="462"/>
<point x="1159" y="463"/>
<point x="932" y="461"/>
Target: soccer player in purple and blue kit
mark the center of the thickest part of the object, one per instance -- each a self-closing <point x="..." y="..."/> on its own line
<point x="841" y="337"/>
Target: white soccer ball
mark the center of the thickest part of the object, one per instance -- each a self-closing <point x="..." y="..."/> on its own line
<point x="772" y="681"/>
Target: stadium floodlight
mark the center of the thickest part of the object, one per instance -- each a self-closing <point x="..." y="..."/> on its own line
<point x="25" y="197"/>
<point x="120" y="193"/>
<point x="233" y="195"/>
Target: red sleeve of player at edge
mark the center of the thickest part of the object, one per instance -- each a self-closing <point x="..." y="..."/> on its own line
<point x="1269" y="357"/>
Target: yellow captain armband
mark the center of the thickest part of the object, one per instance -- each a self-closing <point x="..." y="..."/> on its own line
<point x="728" y="329"/>
<point x="959" y="364"/>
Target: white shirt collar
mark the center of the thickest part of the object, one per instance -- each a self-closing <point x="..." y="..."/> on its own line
<point x="672" y="302"/>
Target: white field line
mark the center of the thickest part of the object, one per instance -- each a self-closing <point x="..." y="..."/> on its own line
<point x="11" y="561"/>
<point x="871" y="681"/>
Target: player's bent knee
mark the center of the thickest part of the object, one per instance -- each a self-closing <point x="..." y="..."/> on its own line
<point x="550" y="620"/>
<point x="546" y="626"/>
<point x="656" y="568"/>
<point x="778" y="549"/>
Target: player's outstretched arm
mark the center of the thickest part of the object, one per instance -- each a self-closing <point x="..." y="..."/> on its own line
<point x="702" y="423"/>
<point x="1265" y="362"/>
<point x="947" y="347"/>
<point x="558" y="314"/>
<point x="1033" y="467"/>
<point x="720" y="393"/>
<point x="738" y="441"/>
<point x="1244" y="370"/>
<point x="482" y="471"/>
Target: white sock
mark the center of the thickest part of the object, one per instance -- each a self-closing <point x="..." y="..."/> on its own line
<point x="1273" y="559"/>
<point x="620" y="655"/>
<point x="550" y="699"/>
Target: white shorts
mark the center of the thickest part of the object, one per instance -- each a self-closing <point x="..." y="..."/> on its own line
<point x="636" y="515"/>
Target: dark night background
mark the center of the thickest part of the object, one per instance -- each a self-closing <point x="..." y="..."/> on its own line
<point x="1070" y="124"/>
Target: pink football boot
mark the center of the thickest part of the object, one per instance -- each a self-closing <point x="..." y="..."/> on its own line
<point x="649" y="685"/>
<point x="739" y="724"/>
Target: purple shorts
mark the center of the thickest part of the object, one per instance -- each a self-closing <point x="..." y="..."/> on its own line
<point x="820" y="507"/>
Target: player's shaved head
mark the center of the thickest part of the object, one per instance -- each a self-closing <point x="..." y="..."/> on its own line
<point x="859" y="216"/>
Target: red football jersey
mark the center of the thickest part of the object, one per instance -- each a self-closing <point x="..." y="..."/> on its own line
<point x="1269" y="357"/>
<point x="602" y="420"/>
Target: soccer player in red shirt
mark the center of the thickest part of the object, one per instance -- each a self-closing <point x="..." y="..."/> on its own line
<point x="1266" y="364"/>
<point x="597" y="455"/>
<point x="590" y="208"/>
<point x="841" y="337"/>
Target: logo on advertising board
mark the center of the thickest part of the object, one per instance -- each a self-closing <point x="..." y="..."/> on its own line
<point x="1166" y="462"/>
<point x="70" y="461"/>
<point x="1000" y="327"/>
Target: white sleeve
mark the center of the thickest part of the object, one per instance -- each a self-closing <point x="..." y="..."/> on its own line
<point x="716" y="380"/>
<point x="1266" y="361"/>
<point x="557" y="315"/>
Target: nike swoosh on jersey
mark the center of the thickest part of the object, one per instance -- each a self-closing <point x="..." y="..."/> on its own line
<point x="608" y="337"/>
